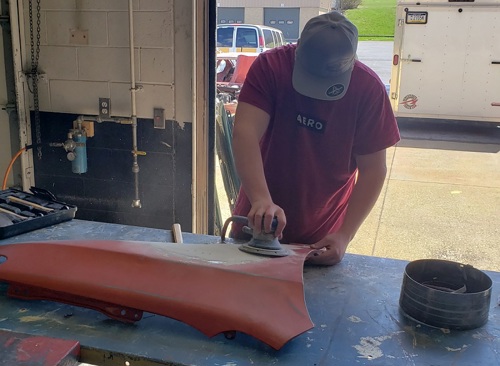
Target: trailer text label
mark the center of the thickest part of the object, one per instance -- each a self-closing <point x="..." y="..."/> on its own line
<point x="416" y="17"/>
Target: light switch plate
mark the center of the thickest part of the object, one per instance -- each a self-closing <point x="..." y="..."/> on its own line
<point x="159" y="118"/>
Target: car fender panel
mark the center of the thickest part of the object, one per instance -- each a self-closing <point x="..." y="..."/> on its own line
<point x="214" y="288"/>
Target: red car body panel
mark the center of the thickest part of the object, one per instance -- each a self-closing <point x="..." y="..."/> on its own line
<point x="214" y="288"/>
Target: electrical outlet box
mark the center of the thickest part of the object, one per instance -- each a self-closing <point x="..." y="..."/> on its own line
<point x="104" y="107"/>
<point x="159" y="118"/>
<point x="79" y="36"/>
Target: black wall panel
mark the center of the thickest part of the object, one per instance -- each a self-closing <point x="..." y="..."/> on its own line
<point x="105" y="192"/>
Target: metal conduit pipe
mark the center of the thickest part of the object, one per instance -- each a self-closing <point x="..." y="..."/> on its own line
<point x="119" y="120"/>
<point x="136" y="203"/>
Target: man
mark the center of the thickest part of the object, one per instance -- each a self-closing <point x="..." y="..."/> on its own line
<point x="310" y="137"/>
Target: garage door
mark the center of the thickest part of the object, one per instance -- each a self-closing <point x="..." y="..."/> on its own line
<point x="286" y="19"/>
<point x="230" y="15"/>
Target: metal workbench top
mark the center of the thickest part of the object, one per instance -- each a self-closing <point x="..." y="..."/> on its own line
<point x="354" y="306"/>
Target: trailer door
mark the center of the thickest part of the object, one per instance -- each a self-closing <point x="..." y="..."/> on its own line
<point x="449" y="61"/>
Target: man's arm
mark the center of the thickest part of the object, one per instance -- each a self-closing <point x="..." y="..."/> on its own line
<point x="372" y="170"/>
<point x="250" y="124"/>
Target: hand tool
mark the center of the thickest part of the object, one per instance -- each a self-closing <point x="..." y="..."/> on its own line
<point x="29" y="204"/>
<point x="262" y="243"/>
<point x="31" y="214"/>
<point x="45" y="202"/>
<point x="12" y="213"/>
<point x="42" y="193"/>
<point x="57" y="206"/>
<point x="10" y="208"/>
<point x="34" y="199"/>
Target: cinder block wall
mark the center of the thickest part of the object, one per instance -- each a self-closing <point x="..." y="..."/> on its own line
<point x="84" y="55"/>
<point x="79" y="71"/>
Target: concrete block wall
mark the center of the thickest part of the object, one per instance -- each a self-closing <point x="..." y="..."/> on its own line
<point x="77" y="75"/>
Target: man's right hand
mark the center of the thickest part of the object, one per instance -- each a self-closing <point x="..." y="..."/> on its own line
<point x="261" y="216"/>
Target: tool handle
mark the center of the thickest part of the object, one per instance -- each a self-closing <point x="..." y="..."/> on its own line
<point x="12" y="213"/>
<point x="274" y="224"/>
<point x="235" y="218"/>
<point x="28" y="203"/>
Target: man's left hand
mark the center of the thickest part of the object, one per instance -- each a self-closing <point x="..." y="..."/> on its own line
<point x="329" y="251"/>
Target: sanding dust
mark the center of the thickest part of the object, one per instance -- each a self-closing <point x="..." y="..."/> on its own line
<point x="369" y="347"/>
<point x="29" y="319"/>
<point x="354" y="319"/>
<point x="457" y="349"/>
<point x="218" y="254"/>
<point x="32" y="318"/>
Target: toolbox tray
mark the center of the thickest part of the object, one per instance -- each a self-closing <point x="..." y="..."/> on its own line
<point x="40" y="209"/>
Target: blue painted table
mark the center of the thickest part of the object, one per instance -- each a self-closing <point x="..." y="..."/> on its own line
<point x="353" y="305"/>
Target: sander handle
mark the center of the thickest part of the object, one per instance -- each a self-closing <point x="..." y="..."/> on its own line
<point x="234" y="218"/>
<point x="263" y="235"/>
<point x="246" y="229"/>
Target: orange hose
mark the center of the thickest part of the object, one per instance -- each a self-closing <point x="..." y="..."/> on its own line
<point x="9" y="168"/>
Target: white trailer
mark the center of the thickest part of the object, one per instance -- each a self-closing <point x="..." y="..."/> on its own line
<point x="446" y="62"/>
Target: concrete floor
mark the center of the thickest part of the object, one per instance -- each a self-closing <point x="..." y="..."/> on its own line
<point x="441" y="198"/>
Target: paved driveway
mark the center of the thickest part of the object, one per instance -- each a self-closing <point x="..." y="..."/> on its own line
<point x="378" y="56"/>
<point x="441" y="198"/>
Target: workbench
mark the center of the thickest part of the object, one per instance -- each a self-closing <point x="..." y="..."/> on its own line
<point x="354" y="306"/>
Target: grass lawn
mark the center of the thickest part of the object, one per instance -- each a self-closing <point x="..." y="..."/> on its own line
<point x="375" y="19"/>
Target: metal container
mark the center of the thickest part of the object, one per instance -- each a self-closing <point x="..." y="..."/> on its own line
<point x="445" y="294"/>
<point x="79" y="164"/>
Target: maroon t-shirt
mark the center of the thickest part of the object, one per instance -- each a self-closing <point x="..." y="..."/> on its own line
<point x="309" y="148"/>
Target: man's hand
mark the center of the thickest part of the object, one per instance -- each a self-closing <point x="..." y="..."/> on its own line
<point x="261" y="216"/>
<point x="330" y="250"/>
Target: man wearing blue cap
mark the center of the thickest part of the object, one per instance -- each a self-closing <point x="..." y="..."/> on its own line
<point x="310" y="137"/>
